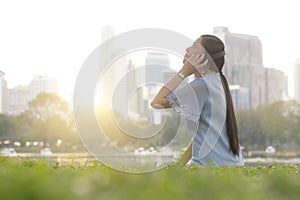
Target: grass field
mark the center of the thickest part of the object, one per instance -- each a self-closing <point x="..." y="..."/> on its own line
<point x="22" y="179"/>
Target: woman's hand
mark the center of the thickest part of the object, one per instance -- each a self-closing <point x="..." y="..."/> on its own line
<point x="194" y="62"/>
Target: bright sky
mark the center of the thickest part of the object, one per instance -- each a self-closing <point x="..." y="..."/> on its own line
<point x="55" y="37"/>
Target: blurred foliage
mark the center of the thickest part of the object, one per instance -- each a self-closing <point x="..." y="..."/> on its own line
<point x="116" y="127"/>
<point x="46" y="105"/>
<point x="276" y="124"/>
<point x="47" y="119"/>
<point x="27" y="179"/>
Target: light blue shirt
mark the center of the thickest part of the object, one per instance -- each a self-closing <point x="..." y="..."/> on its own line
<point x="203" y="103"/>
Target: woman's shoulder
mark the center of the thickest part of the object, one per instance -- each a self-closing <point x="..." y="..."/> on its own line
<point x="198" y="81"/>
<point x="199" y="85"/>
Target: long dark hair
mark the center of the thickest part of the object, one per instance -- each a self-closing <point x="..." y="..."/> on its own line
<point x="213" y="45"/>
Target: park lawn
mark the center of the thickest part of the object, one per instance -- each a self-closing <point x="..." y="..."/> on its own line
<point x="22" y="179"/>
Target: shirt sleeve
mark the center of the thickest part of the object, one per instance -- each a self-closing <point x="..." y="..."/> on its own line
<point x="189" y="99"/>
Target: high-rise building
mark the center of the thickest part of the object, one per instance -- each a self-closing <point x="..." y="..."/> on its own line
<point x="108" y="80"/>
<point x="18" y="99"/>
<point x="297" y="80"/>
<point x="123" y="85"/>
<point x="243" y="66"/>
<point x="276" y="85"/>
<point x="42" y="83"/>
<point x="156" y="63"/>
<point x="19" y="96"/>
<point x="240" y="97"/>
<point x="3" y="93"/>
<point x="168" y="73"/>
<point x="157" y="68"/>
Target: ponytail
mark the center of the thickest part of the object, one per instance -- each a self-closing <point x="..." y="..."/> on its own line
<point x="214" y="46"/>
<point x="231" y="124"/>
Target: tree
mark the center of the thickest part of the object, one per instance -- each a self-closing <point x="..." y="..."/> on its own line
<point x="292" y="122"/>
<point x="6" y="127"/>
<point x="250" y="130"/>
<point x="14" y="127"/>
<point x="48" y="115"/>
<point x="273" y="122"/>
<point x="47" y="104"/>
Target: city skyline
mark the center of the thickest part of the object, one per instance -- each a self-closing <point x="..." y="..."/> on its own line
<point x="14" y="101"/>
<point x="246" y="48"/>
<point x="245" y="54"/>
<point x="34" y="41"/>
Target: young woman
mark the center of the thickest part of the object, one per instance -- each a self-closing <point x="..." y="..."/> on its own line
<point x="216" y="139"/>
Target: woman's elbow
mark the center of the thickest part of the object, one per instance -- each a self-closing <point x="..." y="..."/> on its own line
<point x="155" y="104"/>
<point x="159" y="104"/>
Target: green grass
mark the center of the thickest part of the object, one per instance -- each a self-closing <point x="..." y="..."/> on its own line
<point x="22" y="179"/>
